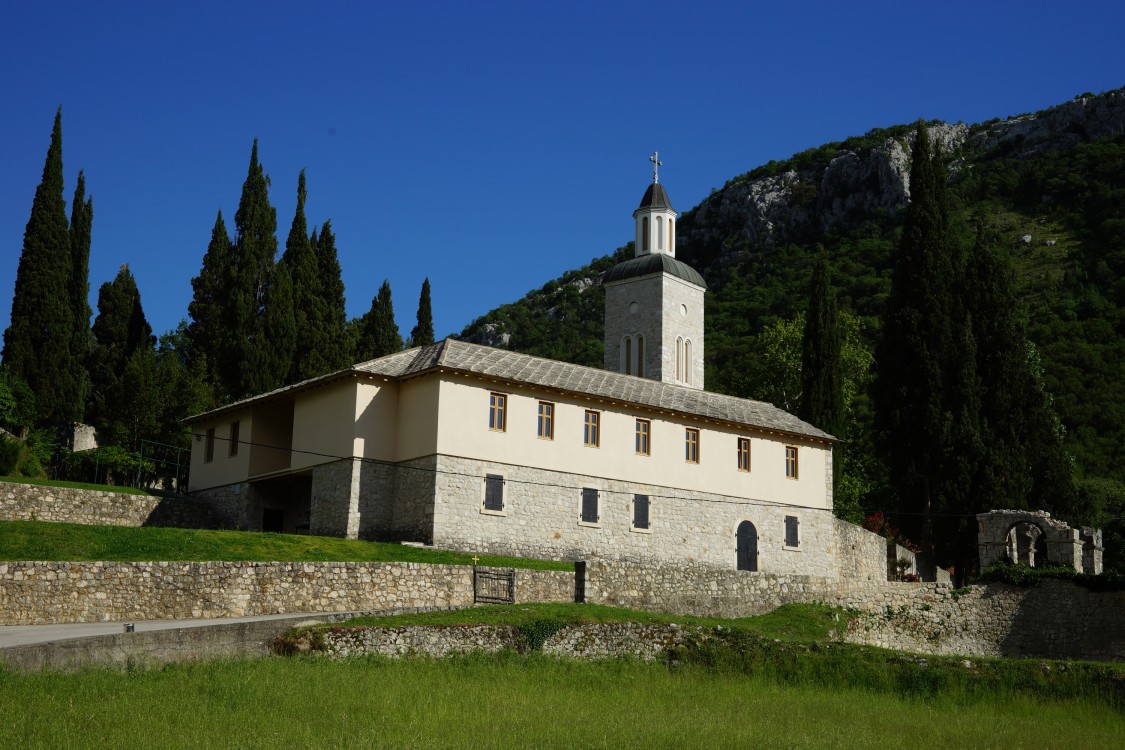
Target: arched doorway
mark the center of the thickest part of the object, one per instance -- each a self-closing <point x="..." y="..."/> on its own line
<point x="747" y="537"/>
<point x="1026" y="544"/>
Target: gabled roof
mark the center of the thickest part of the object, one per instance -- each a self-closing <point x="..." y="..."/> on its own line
<point x="651" y="263"/>
<point x="523" y="369"/>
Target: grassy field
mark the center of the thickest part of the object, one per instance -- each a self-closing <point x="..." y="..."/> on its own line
<point x="37" y="540"/>
<point x="790" y="622"/>
<point x="513" y="702"/>
<point x="74" y="485"/>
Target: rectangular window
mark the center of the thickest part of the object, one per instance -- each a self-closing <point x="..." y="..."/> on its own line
<point x="791" y="461"/>
<point x="234" y="438"/>
<point x="744" y="454"/>
<point x="792" y="538"/>
<point x="497" y="411"/>
<point x="546" y="429"/>
<point x="591" y="434"/>
<point x="640" y="511"/>
<point x="691" y="445"/>
<point x="589" y="505"/>
<point x="494" y="492"/>
<point x="644" y="427"/>
<point x="209" y="446"/>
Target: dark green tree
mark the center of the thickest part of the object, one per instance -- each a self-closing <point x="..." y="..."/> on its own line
<point x="821" y="402"/>
<point x="379" y="334"/>
<point x="122" y="394"/>
<point x="279" y="333"/>
<point x="308" y="304"/>
<point x="207" y="337"/>
<point x="912" y="419"/>
<point x="81" y="224"/>
<point x="338" y="345"/>
<point x="248" y="367"/>
<point x="1024" y="463"/>
<point x="423" y="333"/>
<point x="38" y="343"/>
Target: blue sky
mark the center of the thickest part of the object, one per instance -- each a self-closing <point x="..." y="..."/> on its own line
<point x="488" y="145"/>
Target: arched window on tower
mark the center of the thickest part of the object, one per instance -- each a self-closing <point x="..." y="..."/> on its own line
<point x="627" y="355"/>
<point x="671" y="238"/>
<point x="640" y="355"/>
<point x="679" y="359"/>
<point x="687" y="361"/>
<point x="659" y="233"/>
<point x="644" y="234"/>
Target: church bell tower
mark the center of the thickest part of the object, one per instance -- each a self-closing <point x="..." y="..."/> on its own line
<point x="653" y="302"/>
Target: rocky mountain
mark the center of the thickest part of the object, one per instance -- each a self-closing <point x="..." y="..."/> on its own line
<point x="1049" y="186"/>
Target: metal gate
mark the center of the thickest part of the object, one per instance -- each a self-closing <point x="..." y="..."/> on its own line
<point x="494" y="586"/>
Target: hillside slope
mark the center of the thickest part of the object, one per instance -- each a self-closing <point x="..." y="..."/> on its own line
<point x="1049" y="186"/>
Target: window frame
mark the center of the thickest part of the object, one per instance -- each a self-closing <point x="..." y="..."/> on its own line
<point x="209" y="446"/>
<point x="744" y="454"/>
<point x="642" y="438"/>
<point x="647" y="528"/>
<point x="792" y="468"/>
<point x="497" y="411"/>
<point x="232" y="448"/>
<point x="691" y="447"/>
<point x="592" y="428"/>
<point x="491" y="479"/>
<point x="595" y="494"/>
<point x="548" y="419"/>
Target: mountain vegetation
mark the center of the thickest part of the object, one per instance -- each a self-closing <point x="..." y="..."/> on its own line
<point x="991" y="283"/>
<point x="1033" y="215"/>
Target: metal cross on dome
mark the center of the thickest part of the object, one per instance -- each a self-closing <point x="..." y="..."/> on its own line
<point x="656" y="165"/>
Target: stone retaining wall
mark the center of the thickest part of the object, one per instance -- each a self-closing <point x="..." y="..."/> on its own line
<point x="587" y="641"/>
<point x="1056" y="619"/>
<point x="35" y="502"/>
<point x="36" y="593"/>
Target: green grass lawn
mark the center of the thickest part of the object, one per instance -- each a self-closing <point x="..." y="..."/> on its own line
<point x="74" y="485"/>
<point x="513" y="702"/>
<point x="38" y="540"/>
<point x="790" y="622"/>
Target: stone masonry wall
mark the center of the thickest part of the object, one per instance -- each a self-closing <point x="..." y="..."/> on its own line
<point x="542" y="509"/>
<point x="1057" y="619"/>
<point x="33" y="502"/>
<point x="36" y="593"/>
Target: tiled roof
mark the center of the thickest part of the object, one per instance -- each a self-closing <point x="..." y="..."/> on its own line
<point x="516" y="368"/>
<point x="502" y="364"/>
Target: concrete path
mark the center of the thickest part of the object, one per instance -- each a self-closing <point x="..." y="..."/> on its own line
<point x="22" y="635"/>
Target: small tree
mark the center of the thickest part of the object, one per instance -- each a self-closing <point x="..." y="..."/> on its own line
<point x="423" y="333"/>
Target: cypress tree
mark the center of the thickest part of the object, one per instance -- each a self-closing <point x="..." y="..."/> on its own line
<point x="279" y="328"/>
<point x="379" y="334"/>
<point x="206" y="337"/>
<point x="39" y="339"/>
<point x="912" y="421"/>
<point x="821" y="398"/>
<point x="81" y="224"/>
<point x="423" y="333"/>
<point x="1025" y="465"/>
<point x="300" y="262"/>
<point x="337" y="347"/>
<point x="122" y="340"/>
<point x="247" y="369"/>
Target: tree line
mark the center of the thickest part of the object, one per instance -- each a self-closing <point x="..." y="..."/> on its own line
<point x="256" y="322"/>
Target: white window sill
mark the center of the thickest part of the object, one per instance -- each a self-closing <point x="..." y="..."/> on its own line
<point x="636" y="530"/>
<point x="787" y="548"/>
<point x="591" y="525"/>
<point x="487" y="512"/>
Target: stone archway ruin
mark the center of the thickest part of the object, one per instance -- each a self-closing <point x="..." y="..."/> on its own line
<point x="1033" y="538"/>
